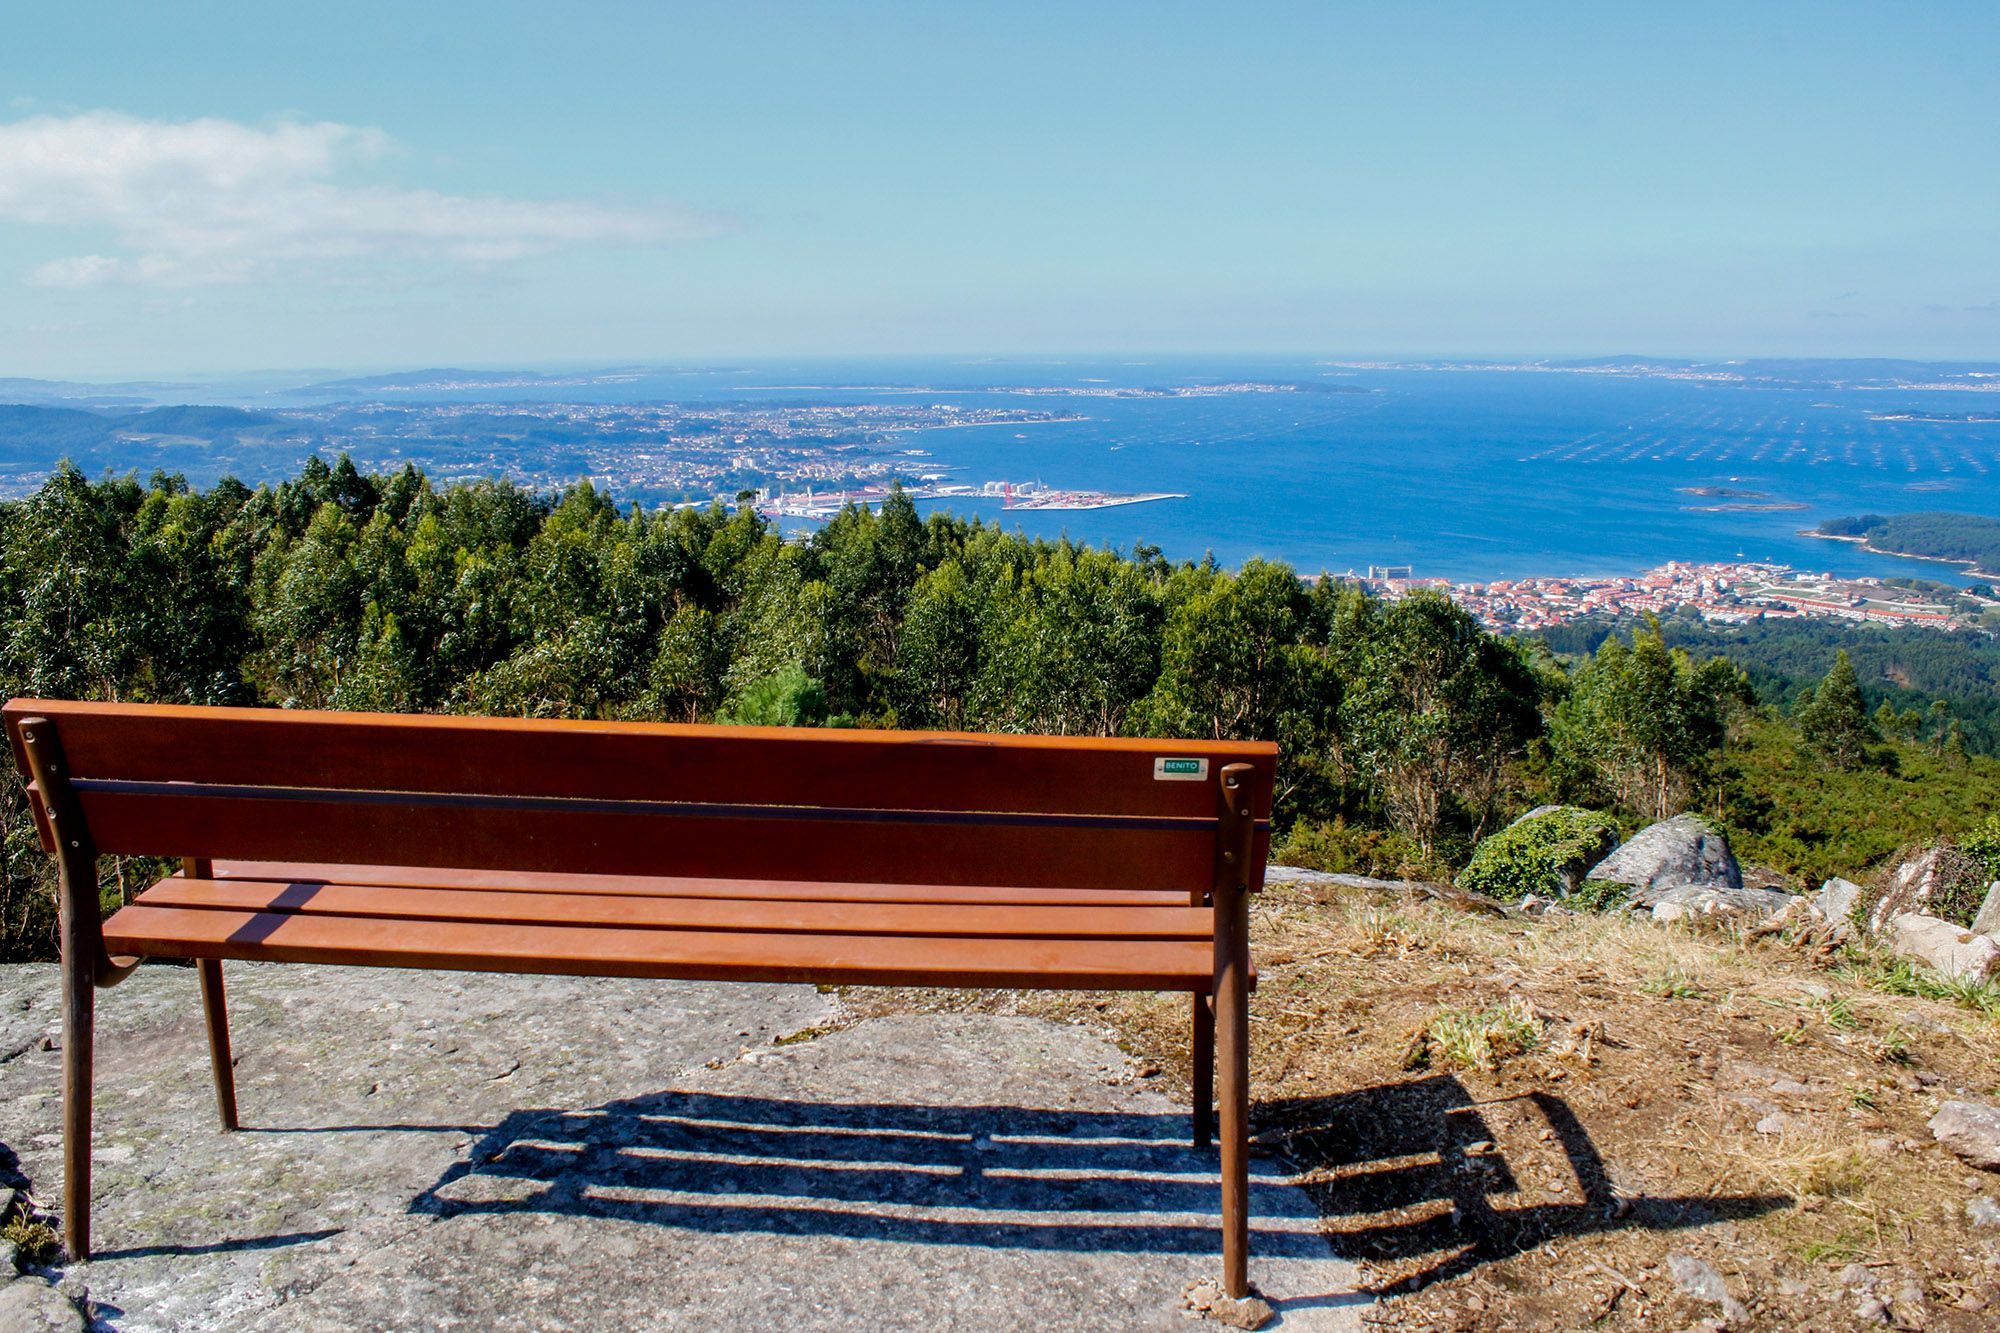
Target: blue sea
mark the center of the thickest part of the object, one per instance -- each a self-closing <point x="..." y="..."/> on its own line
<point x="1459" y="474"/>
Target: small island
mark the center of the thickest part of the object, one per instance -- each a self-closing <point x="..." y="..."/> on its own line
<point x="1734" y="500"/>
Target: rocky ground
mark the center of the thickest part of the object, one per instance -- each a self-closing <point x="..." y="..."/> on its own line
<point x="1684" y="1099"/>
<point x="425" y="1150"/>
<point x="1581" y="1120"/>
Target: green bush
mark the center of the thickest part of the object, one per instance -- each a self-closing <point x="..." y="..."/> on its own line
<point x="1961" y="885"/>
<point x="1343" y="849"/>
<point x="1598" y="895"/>
<point x="1983" y="846"/>
<point x="1531" y="856"/>
<point x="787" y="698"/>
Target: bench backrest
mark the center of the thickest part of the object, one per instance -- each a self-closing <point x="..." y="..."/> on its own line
<point x="648" y="799"/>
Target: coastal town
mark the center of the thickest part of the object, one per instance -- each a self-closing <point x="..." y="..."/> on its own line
<point x="1728" y="593"/>
<point x="820" y="505"/>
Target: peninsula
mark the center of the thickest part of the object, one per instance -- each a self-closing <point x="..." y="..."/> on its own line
<point x="1968" y="540"/>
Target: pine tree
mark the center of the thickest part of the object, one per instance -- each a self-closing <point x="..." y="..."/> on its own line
<point x="1941" y="723"/>
<point x="1834" y="727"/>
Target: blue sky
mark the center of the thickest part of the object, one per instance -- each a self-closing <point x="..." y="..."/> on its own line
<point x="231" y="186"/>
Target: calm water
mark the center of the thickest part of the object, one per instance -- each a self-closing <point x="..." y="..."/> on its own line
<point x="1458" y="474"/>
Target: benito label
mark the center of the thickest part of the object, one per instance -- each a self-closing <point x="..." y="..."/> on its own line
<point x="1180" y="770"/>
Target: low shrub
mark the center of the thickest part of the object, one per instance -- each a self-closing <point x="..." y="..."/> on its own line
<point x="34" y="1239"/>
<point x="1343" y="849"/>
<point x="1598" y="895"/>
<point x="1983" y="846"/>
<point x="1532" y="856"/>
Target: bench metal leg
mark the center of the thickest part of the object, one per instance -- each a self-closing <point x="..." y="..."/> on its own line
<point x="1236" y="841"/>
<point x="217" y="1014"/>
<point x="79" y="1021"/>
<point x="1203" y="1093"/>
<point x="1232" y="1033"/>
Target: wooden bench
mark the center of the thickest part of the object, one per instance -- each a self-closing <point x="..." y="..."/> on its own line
<point x="636" y="850"/>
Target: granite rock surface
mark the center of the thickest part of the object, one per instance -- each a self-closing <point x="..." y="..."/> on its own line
<point x="1671" y="854"/>
<point x="460" y="1151"/>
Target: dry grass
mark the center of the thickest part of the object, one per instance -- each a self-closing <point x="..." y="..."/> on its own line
<point x="1591" y="1101"/>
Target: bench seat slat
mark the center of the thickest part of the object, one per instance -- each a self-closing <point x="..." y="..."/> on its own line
<point x="653" y="912"/>
<point x="669" y="886"/>
<point x="884" y="960"/>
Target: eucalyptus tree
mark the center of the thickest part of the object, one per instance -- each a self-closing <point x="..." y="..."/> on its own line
<point x="1434" y="707"/>
<point x="938" y="659"/>
<point x="1070" y="644"/>
<point x="1648" y="721"/>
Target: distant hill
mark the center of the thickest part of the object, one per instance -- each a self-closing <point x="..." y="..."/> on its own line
<point x="405" y="381"/>
<point x="1626" y="363"/>
<point x="1971" y="539"/>
<point x="74" y="393"/>
<point x="27" y="428"/>
<point x="1861" y="370"/>
<point x="200" y="440"/>
<point x="1881" y="372"/>
<point x="194" y="420"/>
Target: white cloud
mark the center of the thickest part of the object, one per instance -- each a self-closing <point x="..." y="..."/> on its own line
<point x="80" y="271"/>
<point x="216" y="201"/>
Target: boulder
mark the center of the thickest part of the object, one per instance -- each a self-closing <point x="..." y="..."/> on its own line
<point x="1916" y="883"/>
<point x="1987" y="920"/>
<point x="1699" y="902"/>
<point x="30" y="1305"/>
<point x="1970" y="1129"/>
<point x="1949" y="949"/>
<point x="1836" y="898"/>
<point x="1674" y="853"/>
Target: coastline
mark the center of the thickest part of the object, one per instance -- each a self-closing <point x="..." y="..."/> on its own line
<point x="1971" y="567"/>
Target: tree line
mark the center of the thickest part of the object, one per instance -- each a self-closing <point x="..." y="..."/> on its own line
<point x="1404" y="721"/>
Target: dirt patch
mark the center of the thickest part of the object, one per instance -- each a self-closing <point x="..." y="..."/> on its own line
<point x="1595" y="1096"/>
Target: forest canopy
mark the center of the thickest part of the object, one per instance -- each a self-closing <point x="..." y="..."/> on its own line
<point x="1406" y="731"/>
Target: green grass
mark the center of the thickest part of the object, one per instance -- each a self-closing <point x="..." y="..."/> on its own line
<point x="1840" y="1249"/>
<point x="1672" y="985"/>
<point x="1476" y="1038"/>
<point x="1899" y="976"/>
<point x="1893" y="1047"/>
